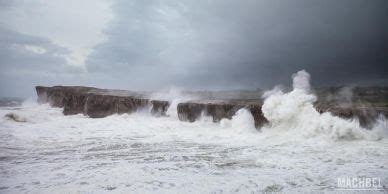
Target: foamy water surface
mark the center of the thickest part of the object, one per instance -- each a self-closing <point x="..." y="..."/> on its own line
<point x="300" y="150"/>
<point x="139" y="153"/>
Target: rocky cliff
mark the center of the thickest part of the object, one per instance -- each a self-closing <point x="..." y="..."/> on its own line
<point x="191" y="111"/>
<point x="97" y="103"/>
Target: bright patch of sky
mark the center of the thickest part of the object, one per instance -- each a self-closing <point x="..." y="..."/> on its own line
<point x="73" y="24"/>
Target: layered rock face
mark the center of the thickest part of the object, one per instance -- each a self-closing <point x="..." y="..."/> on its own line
<point x="367" y="116"/>
<point x="192" y="111"/>
<point x="98" y="106"/>
<point x="98" y="103"/>
<point x="364" y="103"/>
<point x="159" y="107"/>
<point x="58" y="96"/>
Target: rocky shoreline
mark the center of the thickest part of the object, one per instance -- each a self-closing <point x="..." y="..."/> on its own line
<point x="98" y="103"/>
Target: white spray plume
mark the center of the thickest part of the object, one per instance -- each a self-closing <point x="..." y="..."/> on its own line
<point x="276" y="90"/>
<point x="242" y="121"/>
<point x="301" y="81"/>
<point x="175" y="96"/>
<point x="294" y="111"/>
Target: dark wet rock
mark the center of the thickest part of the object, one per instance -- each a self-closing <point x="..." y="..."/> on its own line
<point x="258" y="115"/>
<point x="367" y="116"/>
<point x="75" y="103"/>
<point x="57" y="96"/>
<point x="41" y="91"/>
<point x="131" y="104"/>
<point x="98" y="106"/>
<point x="97" y="103"/>
<point x="364" y="103"/>
<point x="159" y="107"/>
<point x="15" y="117"/>
<point x="192" y="111"/>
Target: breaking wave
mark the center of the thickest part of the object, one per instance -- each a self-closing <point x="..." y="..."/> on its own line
<point x="294" y="111"/>
<point x="242" y="122"/>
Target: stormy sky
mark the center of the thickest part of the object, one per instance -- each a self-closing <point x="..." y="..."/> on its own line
<point x="212" y="44"/>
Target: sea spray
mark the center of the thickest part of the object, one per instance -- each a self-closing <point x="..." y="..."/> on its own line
<point x="242" y="121"/>
<point x="172" y="110"/>
<point x="175" y="96"/>
<point x="294" y="111"/>
<point x="205" y="117"/>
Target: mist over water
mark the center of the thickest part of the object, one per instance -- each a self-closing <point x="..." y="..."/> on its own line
<point x="299" y="150"/>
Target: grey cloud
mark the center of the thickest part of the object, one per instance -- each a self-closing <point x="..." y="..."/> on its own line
<point x="253" y="43"/>
<point x="26" y="61"/>
<point x="5" y="4"/>
<point x="220" y="44"/>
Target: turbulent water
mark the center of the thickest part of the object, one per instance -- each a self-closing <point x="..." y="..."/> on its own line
<point x="45" y="151"/>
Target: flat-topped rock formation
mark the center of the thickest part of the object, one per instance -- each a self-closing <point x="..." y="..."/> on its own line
<point x="98" y="103"/>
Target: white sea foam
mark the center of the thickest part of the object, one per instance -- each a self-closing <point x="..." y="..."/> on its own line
<point x="139" y="153"/>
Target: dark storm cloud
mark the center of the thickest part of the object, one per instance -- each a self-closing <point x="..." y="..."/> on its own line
<point x="219" y="44"/>
<point x="27" y="61"/>
<point x="251" y="43"/>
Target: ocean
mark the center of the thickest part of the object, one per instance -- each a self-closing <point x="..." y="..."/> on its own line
<point x="300" y="150"/>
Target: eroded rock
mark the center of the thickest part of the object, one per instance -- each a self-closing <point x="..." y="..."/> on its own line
<point x="159" y="107"/>
<point x="192" y="111"/>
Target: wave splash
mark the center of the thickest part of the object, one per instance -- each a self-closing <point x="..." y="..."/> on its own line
<point x="294" y="111"/>
<point x="242" y="122"/>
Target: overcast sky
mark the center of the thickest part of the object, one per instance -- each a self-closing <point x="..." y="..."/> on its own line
<point x="213" y="44"/>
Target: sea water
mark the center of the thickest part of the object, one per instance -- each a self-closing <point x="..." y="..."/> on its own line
<point x="299" y="150"/>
